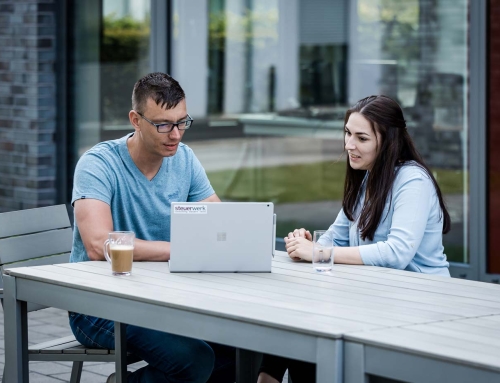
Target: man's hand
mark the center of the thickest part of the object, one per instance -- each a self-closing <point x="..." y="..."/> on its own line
<point x="299" y="248"/>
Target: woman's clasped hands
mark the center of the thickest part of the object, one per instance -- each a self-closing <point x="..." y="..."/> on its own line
<point x="299" y="245"/>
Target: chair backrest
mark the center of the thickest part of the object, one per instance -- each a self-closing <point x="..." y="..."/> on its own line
<point x="34" y="237"/>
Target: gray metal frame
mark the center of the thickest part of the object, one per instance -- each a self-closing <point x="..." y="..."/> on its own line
<point x="15" y="312"/>
<point x="476" y="269"/>
<point x="160" y="36"/>
<point x="62" y="26"/>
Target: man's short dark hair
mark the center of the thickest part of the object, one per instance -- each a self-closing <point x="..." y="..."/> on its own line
<point x="162" y="88"/>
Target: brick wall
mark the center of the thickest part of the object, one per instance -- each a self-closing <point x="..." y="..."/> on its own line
<point x="27" y="104"/>
<point x="494" y="138"/>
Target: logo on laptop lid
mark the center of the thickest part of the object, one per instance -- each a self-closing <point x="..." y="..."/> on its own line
<point x="222" y="236"/>
<point x="190" y="209"/>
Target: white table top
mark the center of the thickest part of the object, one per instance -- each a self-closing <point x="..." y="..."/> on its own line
<point x="293" y="297"/>
<point x="470" y="341"/>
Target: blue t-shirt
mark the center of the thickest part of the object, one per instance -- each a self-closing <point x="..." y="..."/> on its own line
<point x="107" y="173"/>
<point x="410" y="234"/>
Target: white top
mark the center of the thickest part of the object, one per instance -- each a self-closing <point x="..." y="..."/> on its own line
<point x="409" y="236"/>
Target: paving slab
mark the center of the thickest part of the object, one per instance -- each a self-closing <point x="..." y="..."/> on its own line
<point x="87" y="377"/>
<point x="49" y="368"/>
<point x="50" y="329"/>
<point x="40" y="378"/>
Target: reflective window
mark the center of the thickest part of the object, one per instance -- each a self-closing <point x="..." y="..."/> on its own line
<point x="124" y="57"/>
<point x="416" y="52"/>
<point x="272" y="79"/>
<point x="110" y="52"/>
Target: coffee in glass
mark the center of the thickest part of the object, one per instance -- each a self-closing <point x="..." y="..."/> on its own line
<point x="119" y="251"/>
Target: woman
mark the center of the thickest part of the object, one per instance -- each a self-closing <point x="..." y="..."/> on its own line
<point x="393" y="213"/>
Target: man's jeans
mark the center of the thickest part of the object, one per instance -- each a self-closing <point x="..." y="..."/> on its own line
<point x="170" y="358"/>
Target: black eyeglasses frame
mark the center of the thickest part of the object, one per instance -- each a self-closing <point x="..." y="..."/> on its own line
<point x="188" y="122"/>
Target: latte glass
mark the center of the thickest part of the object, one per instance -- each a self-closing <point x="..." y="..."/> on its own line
<point x="119" y="251"/>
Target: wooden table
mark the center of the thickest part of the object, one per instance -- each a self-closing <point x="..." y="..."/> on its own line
<point x="293" y="311"/>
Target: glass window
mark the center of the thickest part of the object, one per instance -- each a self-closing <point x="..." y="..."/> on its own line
<point x="111" y="50"/>
<point x="416" y="51"/>
<point x="124" y="57"/>
<point x="272" y="79"/>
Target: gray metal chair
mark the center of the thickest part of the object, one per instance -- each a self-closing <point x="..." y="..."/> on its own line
<point x="43" y="236"/>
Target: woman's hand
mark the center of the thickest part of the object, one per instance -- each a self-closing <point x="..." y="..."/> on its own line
<point x="302" y="233"/>
<point x="299" y="248"/>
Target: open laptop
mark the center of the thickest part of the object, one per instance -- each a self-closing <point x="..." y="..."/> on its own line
<point x="222" y="236"/>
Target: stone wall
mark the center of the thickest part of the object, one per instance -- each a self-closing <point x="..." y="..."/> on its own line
<point x="27" y="104"/>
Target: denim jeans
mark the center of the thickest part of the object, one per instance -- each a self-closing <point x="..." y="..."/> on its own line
<point x="171" y="358"/>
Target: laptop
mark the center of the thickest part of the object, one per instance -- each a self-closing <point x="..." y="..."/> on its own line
<point x="222" y="236"/>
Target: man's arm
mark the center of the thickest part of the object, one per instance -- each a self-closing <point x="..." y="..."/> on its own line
<point x="212" y="198"/>
<point x="94" y="221"/>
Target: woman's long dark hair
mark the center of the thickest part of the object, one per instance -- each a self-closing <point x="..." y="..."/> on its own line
<point x="395" y="148"/>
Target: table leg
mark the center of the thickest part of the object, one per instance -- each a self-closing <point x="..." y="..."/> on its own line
<point x="329" y="361"/>
<point x="247" y="365"/>
<point x="354" y="363"/>
<point x="121" y="352"/>
<point x="16" y="334"/>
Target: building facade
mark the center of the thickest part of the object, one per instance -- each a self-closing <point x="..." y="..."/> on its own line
<point x="268" y="83"/>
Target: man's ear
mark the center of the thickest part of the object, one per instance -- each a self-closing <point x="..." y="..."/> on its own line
<point x="134" y="118"/>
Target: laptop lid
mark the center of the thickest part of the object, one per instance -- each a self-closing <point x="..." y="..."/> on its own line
<point x="222" y="236"/>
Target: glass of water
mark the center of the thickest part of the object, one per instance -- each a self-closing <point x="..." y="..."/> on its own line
<point x="322" y="258"/>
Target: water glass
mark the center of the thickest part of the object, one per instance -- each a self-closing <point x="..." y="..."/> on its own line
<point x="322" y="258"/>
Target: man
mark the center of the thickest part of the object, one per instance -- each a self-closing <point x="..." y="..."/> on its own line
<point x="128" y="185"/>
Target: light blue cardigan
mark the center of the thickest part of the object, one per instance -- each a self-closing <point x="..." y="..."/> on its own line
<point x="409" y="236"/>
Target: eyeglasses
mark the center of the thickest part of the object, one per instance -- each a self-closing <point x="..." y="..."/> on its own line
<point x="167" y="127"/>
